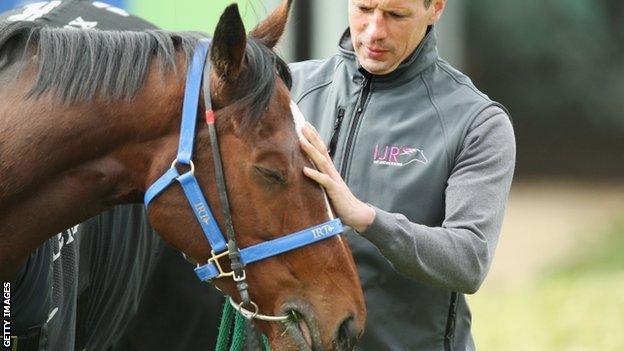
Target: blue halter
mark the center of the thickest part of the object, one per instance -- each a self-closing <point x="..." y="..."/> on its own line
<point x="213" y="269"/>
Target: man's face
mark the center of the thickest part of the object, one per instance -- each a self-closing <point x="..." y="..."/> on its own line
<point x="386" y="32"/>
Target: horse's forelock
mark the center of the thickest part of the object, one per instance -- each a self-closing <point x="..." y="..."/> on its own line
<point x="257" y="84"/>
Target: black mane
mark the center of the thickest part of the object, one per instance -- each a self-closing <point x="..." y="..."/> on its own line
<point x="79" y="65"/>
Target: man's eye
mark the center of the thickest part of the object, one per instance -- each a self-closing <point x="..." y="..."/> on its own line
<point x="397" y="15"/>
<point x="365" y="9"/>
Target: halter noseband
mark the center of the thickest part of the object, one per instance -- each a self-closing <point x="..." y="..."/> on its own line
<point x="238" y="258"/>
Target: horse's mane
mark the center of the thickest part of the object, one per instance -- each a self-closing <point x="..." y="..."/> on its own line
<point x="80" y="65"/>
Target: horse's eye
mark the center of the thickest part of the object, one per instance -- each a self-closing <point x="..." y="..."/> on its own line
<point x="270" y="175"/>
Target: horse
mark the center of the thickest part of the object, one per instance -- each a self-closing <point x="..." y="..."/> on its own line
<point x="90" y="119"/>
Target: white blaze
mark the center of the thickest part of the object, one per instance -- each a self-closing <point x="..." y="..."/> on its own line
<point x="298" y="118"/>
<point x="300" y="121"/>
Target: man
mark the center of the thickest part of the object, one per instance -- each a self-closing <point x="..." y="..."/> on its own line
<point x="422" y="166"/>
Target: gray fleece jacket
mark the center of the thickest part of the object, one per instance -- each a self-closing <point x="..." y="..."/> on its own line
<point x="435" y="157"/>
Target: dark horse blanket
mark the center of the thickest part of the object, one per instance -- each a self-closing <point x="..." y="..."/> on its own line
<point x="109" y="283"/>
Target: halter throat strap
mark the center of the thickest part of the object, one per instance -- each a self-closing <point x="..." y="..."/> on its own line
<point x="236" y="265"/>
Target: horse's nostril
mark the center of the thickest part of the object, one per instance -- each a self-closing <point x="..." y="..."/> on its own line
<point x="347" y="334"/>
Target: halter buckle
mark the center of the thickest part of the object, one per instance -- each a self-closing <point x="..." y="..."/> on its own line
<point x="215" y="259"/>
<point x="238" y="278"/>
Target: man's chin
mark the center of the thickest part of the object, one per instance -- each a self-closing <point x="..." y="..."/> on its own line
<point x="376" y="67"/>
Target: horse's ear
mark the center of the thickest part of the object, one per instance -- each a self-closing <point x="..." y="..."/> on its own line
<point x="269" y="31"/>
<point x="228" y="44"/>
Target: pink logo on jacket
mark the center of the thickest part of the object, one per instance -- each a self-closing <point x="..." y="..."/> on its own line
<point x="394" y="155"/>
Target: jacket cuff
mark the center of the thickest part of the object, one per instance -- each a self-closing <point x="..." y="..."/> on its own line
<point x="376" y="233"/>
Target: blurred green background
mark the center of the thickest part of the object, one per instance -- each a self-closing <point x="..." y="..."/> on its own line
<point x="196" y="14"/>
<point x="557" y="282"/>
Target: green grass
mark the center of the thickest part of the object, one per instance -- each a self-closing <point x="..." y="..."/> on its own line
<point x="576" y="306"/>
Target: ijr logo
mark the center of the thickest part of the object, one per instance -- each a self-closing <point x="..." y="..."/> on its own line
<point x="202" y="212"/>
<point x="322" y="231"/>
<point x="394" y="155"/>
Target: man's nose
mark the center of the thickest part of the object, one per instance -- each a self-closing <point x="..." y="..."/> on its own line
<point x="376" y="29"/>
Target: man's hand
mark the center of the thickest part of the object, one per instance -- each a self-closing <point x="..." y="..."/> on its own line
<point x="349" y="209"/>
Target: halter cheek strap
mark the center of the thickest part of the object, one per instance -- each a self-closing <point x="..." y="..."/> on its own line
<point x="198" y="71"/>
<point x="187" y="180"/>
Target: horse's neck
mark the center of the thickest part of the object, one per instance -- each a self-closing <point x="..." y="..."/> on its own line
<point x="62" y="164"/>
<point x="43" y="140"/>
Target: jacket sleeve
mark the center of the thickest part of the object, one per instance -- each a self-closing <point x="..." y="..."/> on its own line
<point x="457" y="255"/>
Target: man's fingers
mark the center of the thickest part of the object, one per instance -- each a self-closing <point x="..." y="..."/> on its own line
<point x="318" y="152"/>
<point x="321" y="178"/>
<point x="314" y="138"/>
<point x="317" y="157"/>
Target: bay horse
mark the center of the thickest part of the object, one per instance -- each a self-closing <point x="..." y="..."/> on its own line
<point x="90" y="119"/>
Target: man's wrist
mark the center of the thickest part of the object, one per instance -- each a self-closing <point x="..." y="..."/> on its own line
<point x="365" y="218"/>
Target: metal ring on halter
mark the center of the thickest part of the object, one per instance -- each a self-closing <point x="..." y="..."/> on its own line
<point x="175" y="163"/>
<point x="255" y="315"/>
<point x="240" y="306"/>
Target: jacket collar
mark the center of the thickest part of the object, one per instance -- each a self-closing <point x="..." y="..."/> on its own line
<point x="425" y="55"/>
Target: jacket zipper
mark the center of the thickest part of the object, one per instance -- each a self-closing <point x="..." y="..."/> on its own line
<point x="355" y="125"/>
<point x="451" y="321"/>
<point x="334" y="139"/>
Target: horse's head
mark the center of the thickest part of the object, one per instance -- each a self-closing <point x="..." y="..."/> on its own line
<point x="269" y="195"/>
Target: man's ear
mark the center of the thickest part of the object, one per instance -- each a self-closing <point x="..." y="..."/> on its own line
<point x="437" y="8"/>
<point x="269" y="31"/>
<point x="228" y="45"/>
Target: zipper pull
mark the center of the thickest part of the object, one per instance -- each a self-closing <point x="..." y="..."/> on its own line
<point x="334" y="139"/>
<point x="365" y="92"/>
<point x="366" y="81"/>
